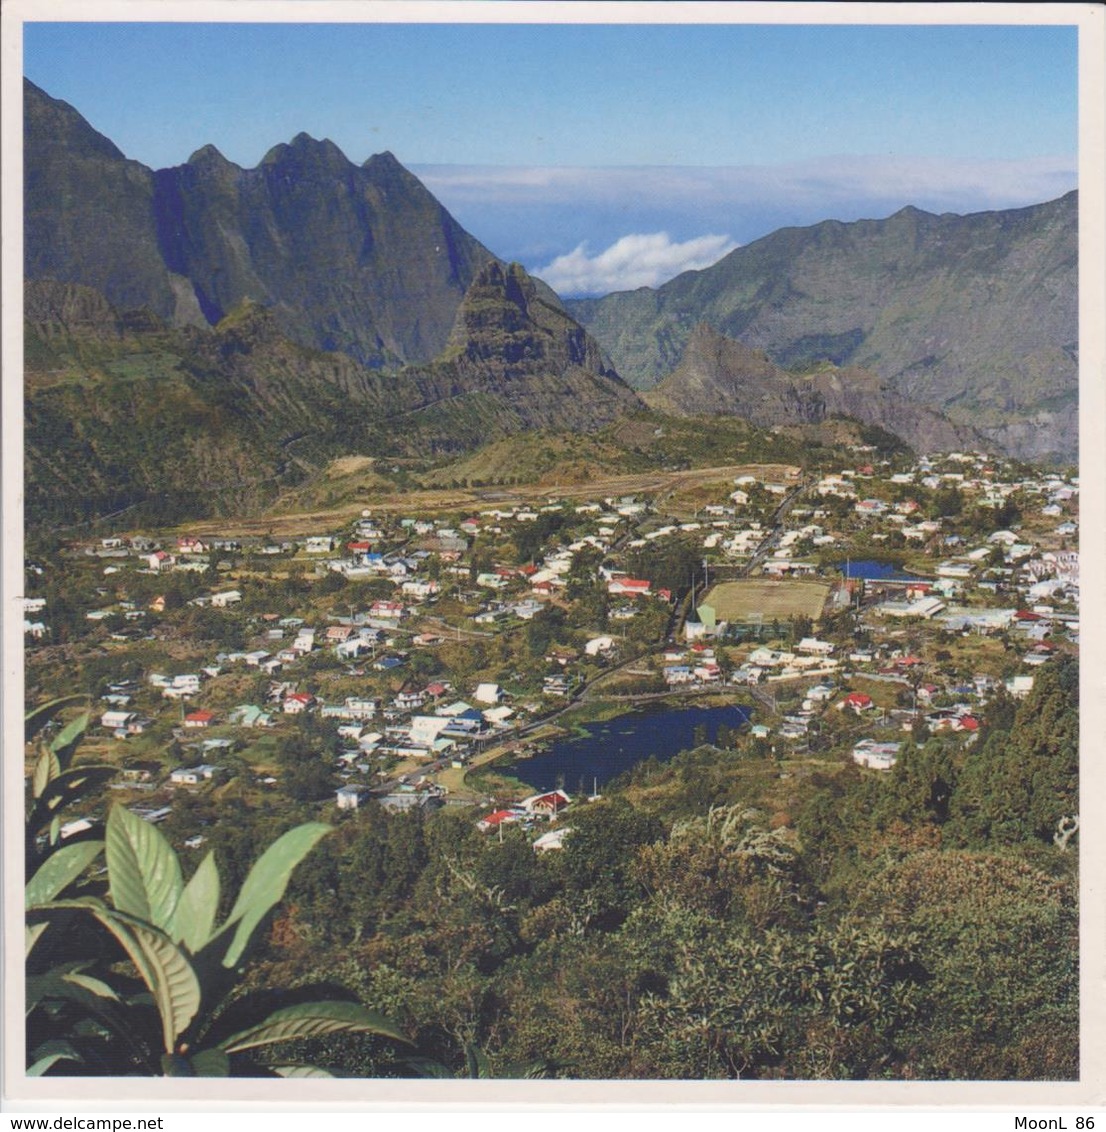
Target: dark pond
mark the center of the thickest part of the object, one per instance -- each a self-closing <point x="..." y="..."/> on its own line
<point x="872" y="569"/>
<point x="580" y="763"/>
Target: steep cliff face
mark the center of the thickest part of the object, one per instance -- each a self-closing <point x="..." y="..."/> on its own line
<point x="974" y="315"/>
<point x="512" y="341"/>
<point x="361" y="259"/>
<point x="90" y="214"/>
<point x="719" y="375"/>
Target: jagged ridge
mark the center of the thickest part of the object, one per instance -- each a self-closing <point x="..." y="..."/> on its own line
<point x="719" y="375"/>
<point x="361" y="259"/>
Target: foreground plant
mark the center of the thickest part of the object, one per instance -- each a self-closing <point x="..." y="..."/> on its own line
<point x="163" y="1001"/>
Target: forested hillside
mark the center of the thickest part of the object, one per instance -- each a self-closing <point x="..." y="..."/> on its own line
<point x="713" y="917"/>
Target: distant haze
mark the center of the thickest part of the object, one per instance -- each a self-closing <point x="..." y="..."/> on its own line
<point x="592" y="231"/>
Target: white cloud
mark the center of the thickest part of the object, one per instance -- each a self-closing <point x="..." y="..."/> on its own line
<point x="638" y="260"/>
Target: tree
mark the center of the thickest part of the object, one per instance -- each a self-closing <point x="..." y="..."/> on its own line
<point x="597" y="860"/>
<point x="801" y="627"/>
<point x="921" y="783"/>
<point x="948" y="502"/>
<point x="306" y="765"/>
<point x="1023" y="780"/>
<point x="998" y="941"/>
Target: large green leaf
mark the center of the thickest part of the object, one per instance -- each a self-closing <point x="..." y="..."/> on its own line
<point x="65" y="742"/>
<point x="211" y="1063"/>
<point x="92" y="984"/>
<point x="47" y="768"/>
<point x="31" y="936"/>
<point x="194" y="918"/>
<point x="163" y="967"/>
<point x="96" y="1000"/>
<point x="59" y="871"/>
<point x="143" y="869"/>
<point x="35" y="720"/>
<point x="266" y="883"/>
<point x="74" y="985"/>
<point x="49" y="1054"/>
<point x="310" y="1020"/>
<point x="65" y="790"/>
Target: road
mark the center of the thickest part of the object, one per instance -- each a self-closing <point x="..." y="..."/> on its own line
<point x="777" y="528"/>
<point x="428" y="500"/>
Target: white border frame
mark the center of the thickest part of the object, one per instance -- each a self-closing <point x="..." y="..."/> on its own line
<point x="340" y="1096"/>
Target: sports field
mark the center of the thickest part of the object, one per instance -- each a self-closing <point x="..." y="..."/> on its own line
<point x="754" y="599"/>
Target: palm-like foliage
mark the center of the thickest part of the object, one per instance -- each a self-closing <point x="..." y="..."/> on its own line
<point x="179" y="1016"/>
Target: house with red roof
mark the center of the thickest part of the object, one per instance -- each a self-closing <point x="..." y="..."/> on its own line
<point x="856" y="701"/>
<point x="498" y="818"/>
<point x="635" y="587"/>
<point x="547" y="804"/>
<point x="199" y="719"/>
<point x="298" y="702"/>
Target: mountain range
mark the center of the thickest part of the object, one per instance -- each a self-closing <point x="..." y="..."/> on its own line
<point x="256" y="323"/>
<point x="974" y="316"/>
<point x="357" y="258"/>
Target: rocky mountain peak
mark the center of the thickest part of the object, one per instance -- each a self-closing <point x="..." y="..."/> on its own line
<point x="50" y="122"/>
<point x="357" y="259"/>
<point x="304" y="150"/>
<point x="504" y="320"/>
<point x="209" y="156"/>
<point x="718" y="375"/>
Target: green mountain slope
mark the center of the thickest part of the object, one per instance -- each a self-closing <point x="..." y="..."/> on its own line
<point x="122" y="410"/>
<point x="973" y="315"/>
<point x="718" y="375"/>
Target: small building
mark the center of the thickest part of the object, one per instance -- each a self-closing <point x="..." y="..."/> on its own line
<point x="856" y="701"/>
<point x="117" y="720"/>
<point x="547" y="804"/>
<point x="498" y="818"/>
<point x="195" y="775"/>
<point x="402" y="803"/>
<point x="814" y="647"/>
<point x="635" y="587"/>
<point x="488" y="693"/>
<point x="554" y="839"/>
<point x="351" y="797"/>
<point x="298" y="702"/>
<point x="876" y="756"/>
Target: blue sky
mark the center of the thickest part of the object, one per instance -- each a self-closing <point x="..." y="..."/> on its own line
<point x="604" y="156"/>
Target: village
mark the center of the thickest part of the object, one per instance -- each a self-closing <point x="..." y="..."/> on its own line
<point x="398" y="657"/>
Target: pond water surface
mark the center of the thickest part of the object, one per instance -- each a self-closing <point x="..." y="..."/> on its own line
<point x="582" y="763"/>
<point x="874" y="570"/>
